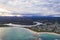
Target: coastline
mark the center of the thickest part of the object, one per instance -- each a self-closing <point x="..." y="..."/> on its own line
<point x="3" y="31"/>
<point x="43" y="32"/>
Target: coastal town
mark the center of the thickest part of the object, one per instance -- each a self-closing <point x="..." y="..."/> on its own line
<point x="46" y="27"/>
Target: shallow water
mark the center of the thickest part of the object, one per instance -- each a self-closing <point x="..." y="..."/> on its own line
<point x="16" y="33"/>
<point x="49" y="37"/>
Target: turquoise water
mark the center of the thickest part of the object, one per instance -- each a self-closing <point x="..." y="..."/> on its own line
<point x="18" y="34"/>
<point x="24" y="34"/>
<point x="49" y="37"/>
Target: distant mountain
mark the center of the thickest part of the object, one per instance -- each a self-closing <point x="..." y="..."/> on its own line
<point x="54" y="15"/>
<point x="15" y="20"/>
<point x="28" y="19"/>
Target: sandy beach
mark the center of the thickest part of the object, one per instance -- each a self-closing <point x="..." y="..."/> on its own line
<point x="43" y="32"/>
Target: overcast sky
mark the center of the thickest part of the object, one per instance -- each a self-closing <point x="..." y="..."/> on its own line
<point x="44" y="7"/>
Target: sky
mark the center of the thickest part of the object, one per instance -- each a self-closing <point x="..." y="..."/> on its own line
<point x="43" y="7"/>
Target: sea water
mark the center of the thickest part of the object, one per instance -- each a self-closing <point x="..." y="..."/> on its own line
<point x="15" y="33"/>
<point x="18" y="34"/>
<point x="49" y="37"/>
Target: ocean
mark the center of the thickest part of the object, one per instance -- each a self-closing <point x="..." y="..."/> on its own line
<point x="17" y="33"/>
<point x="49" y="37"/>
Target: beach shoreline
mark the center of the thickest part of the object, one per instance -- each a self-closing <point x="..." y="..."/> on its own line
<point x="3" y="31"/>
<point x="43" y="32"/>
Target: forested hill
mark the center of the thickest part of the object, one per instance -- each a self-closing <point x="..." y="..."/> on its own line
<point x="25" y="20"/>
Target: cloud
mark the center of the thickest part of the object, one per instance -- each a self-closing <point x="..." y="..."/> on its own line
<point x="4" y="10"/>
<point x="44" y="7"/>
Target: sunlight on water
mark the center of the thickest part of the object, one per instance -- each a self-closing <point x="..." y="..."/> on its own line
<point x="16" y="33"/>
